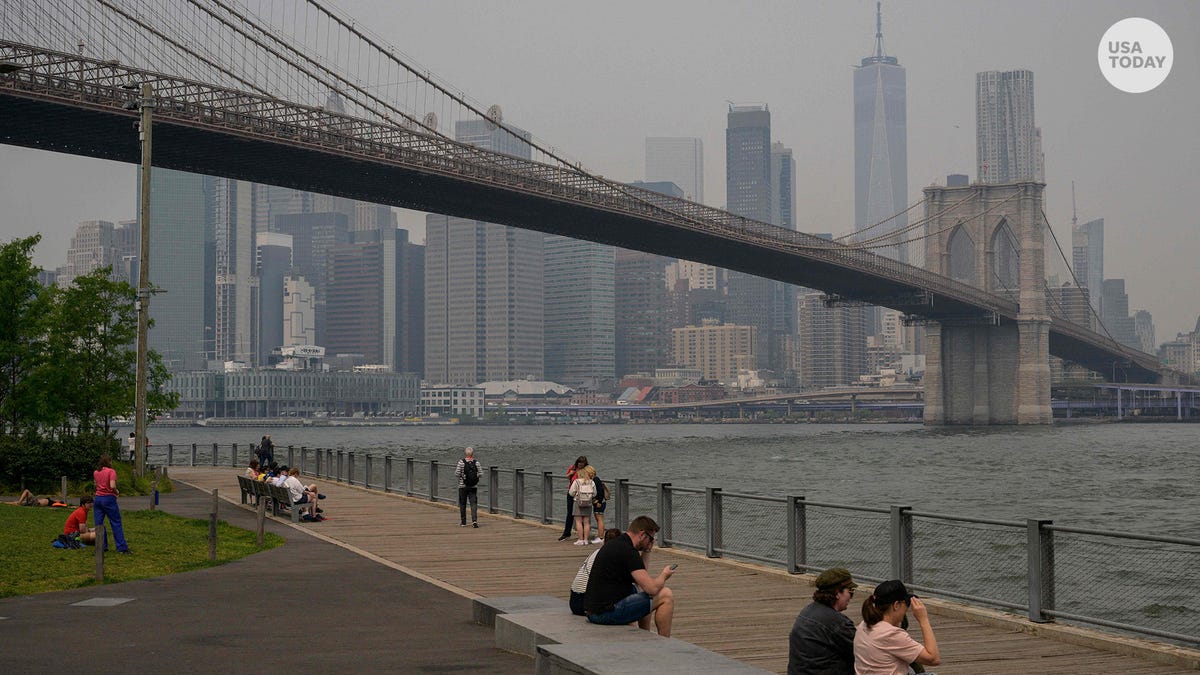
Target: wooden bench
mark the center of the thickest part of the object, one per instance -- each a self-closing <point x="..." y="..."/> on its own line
<point x="278" y="497"/>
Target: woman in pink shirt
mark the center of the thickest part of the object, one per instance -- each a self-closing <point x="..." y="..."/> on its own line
<point x="881" y="646"/>
<point x="106" y="502"/>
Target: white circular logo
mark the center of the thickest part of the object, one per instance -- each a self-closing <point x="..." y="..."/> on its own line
<point x="1135" y="55"/>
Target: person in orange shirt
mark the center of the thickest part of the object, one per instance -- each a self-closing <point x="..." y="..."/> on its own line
<point x="76" y="525"/>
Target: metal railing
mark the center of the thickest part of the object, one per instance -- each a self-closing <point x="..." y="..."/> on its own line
<point x="1142" y="584"/>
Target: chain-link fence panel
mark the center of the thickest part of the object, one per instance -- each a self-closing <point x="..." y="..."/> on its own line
<point x="1146" y="584"/>
<point x="753" y="528"/>
<point x="688" y="523"/>
<point x="855" y="539"/>
<point x="976" y="559"/>
<point x="643" y="501"/>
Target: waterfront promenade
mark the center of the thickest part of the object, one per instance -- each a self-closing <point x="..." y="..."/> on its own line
<point x="740" y="610"/>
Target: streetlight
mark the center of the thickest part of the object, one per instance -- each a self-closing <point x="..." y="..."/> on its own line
<point x="146" y="104"/>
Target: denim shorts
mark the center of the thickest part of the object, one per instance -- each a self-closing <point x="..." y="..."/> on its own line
<point x="627" y="610"/>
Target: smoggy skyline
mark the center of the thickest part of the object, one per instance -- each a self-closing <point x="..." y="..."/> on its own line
<point x="595" y="80"/>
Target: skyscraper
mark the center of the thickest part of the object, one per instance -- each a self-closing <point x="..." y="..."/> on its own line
<point x="273" y="262"/>
<point x="1007" y="140"/>
<point x="96" y="244"/>
<point x="236" y="328"/>
<point x="679" y="161"/>
<point x="880" y="146"/>
<point x="1087" y="257"/>
<point x="783" y="186"/>
<point x="483" y="287"/>
<point x="1115" y="313"/>
<point x="580" y="312"/>
<point x="754" y="301"/>
<point x="182" y="314"/>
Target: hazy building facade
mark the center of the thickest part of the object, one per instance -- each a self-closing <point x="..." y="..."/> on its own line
<point x="718" y="351"/>
<point x="783" y="186"/>
<point x="580" y="311"/>
<point x="677" y="160"/>
<point x="643" y="339"/>
<point x="183" y="314"/>
<point x="1143" y="327"/>
<point x="754" y="301"/>
<point x="299" y="312"/>
<point x="274" y="262"/>
<point x="236" y="328"/>
<point x="833" y="343"/>
<point x="880" y="147"/>
<point x="1114" y="313"/>
<point x="1008" y="142"/>
<point x="99" y="243"/>
<point x="1087" y="259"/>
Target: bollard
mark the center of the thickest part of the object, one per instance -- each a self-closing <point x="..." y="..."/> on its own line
<point x="797" y="535"/>
<point x="261" y="514"/>
<point x="212" y="529"/>
<point x="101" y="544"/>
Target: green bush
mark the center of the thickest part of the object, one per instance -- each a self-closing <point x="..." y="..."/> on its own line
<point x="40" y="463"/>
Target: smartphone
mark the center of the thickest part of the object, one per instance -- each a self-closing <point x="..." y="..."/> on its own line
<point x="673" y="566"/>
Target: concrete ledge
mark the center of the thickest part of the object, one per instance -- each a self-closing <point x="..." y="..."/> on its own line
<point x="522" y="632"/>
<point x="484" y="610"/>
<point x="662" y="655"/>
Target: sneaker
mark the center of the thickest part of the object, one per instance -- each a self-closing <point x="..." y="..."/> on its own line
<point x="125" y="552"/>
<point x="564" y="537"/>
<point x="462" y="524"/>
<point x="581" y="542"/>
<point x="597" y="540"/>
<point x="475" y="525"/>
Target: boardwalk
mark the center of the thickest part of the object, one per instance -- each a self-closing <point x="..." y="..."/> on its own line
<point x="739" y="610"/>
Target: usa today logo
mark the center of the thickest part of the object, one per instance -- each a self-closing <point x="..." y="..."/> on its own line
<point x="1135" y="55"/>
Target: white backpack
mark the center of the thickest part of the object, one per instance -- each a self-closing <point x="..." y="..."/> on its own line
<point x="587" y="492"/>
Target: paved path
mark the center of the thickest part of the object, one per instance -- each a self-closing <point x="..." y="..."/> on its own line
<point x="365" y="617"/>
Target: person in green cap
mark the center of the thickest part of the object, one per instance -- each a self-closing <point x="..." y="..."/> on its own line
<point x="822" y="639"/>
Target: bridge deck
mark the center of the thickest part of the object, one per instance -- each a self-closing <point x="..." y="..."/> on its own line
<point x="741" y="611"/>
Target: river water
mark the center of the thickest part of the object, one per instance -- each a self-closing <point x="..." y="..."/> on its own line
<point x="1128" y="477"/>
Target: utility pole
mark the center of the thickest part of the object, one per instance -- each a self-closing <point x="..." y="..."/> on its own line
<point x="146" y="103"/>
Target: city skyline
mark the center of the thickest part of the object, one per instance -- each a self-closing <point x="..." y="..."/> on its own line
<point x="1132" y="156"/>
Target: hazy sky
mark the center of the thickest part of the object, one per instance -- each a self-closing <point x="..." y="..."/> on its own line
<point x="594" y="79"/>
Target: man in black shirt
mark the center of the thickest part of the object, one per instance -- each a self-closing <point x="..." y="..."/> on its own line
<point x="611" y="599"/>
<point x="822" y="639"/>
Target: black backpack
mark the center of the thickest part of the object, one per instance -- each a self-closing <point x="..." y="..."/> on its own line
<point x="470" y="473"/>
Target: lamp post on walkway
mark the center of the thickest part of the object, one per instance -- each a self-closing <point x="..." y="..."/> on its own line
<point x="146" y="104"/>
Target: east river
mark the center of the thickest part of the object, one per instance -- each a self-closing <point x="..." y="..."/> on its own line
<point x="1128" y="477"/>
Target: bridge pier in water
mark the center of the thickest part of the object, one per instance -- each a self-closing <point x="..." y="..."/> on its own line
<point x="980" y="370"/>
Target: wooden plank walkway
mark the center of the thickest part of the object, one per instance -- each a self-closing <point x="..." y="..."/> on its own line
<point x="740" y="610"/>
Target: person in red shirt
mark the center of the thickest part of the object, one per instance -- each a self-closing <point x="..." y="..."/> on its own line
<point x="572" y="472"/>
<point x="106" y="501"/>
<point x="76" y="525"/>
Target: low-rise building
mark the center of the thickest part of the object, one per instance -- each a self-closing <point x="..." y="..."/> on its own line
<point x="269" y="393"/>
<point x="452" y="401"/>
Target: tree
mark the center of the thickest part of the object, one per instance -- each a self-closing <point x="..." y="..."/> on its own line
<point x="23" y="305"/>
<point x="90" y="375"/>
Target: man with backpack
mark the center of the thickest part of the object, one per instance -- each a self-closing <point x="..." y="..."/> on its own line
<point x="467" y="471"/>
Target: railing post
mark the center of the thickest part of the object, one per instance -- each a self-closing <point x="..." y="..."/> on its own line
<point x="233" y="457"/>
<point x="902" y="542"/>
<point x="350" y="467"/>
<point x="214" y="457"/>
<point x="303" y="459"/>
<point x="663" y="501"/>
<point x="193" y="454"/>
<point x="433" y="480"/>
<point x="170" y="453"/>
<point x="621" y="497"/>
<point x="493" y="489"/>
<point x="713" y="526"/>
<point x="548" y="498"/>
<point x="367" y="472"/>
<point x="387" y="473"/>
<point x="797" y="534"/>
<point x="1040" y="549"/>
<point x="341" y="464"/>
<point x="409" y="476"/>
<point x="518" y="493"/>
<point x="292" y="458"/>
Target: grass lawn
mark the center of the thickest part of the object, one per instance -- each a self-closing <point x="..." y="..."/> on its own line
<point x="162" y="544"/>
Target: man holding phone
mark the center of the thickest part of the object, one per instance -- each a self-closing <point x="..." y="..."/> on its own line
<point x="610" y="598"/>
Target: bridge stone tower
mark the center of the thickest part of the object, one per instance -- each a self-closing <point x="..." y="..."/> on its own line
<point x="983" y="370"/>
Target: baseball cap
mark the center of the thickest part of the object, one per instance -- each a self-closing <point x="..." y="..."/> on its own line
<point x="889" y="592"/>
<point x="835" y="578"/>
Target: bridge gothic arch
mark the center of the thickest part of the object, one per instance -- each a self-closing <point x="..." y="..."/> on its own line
<point x="982" y="369"/>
